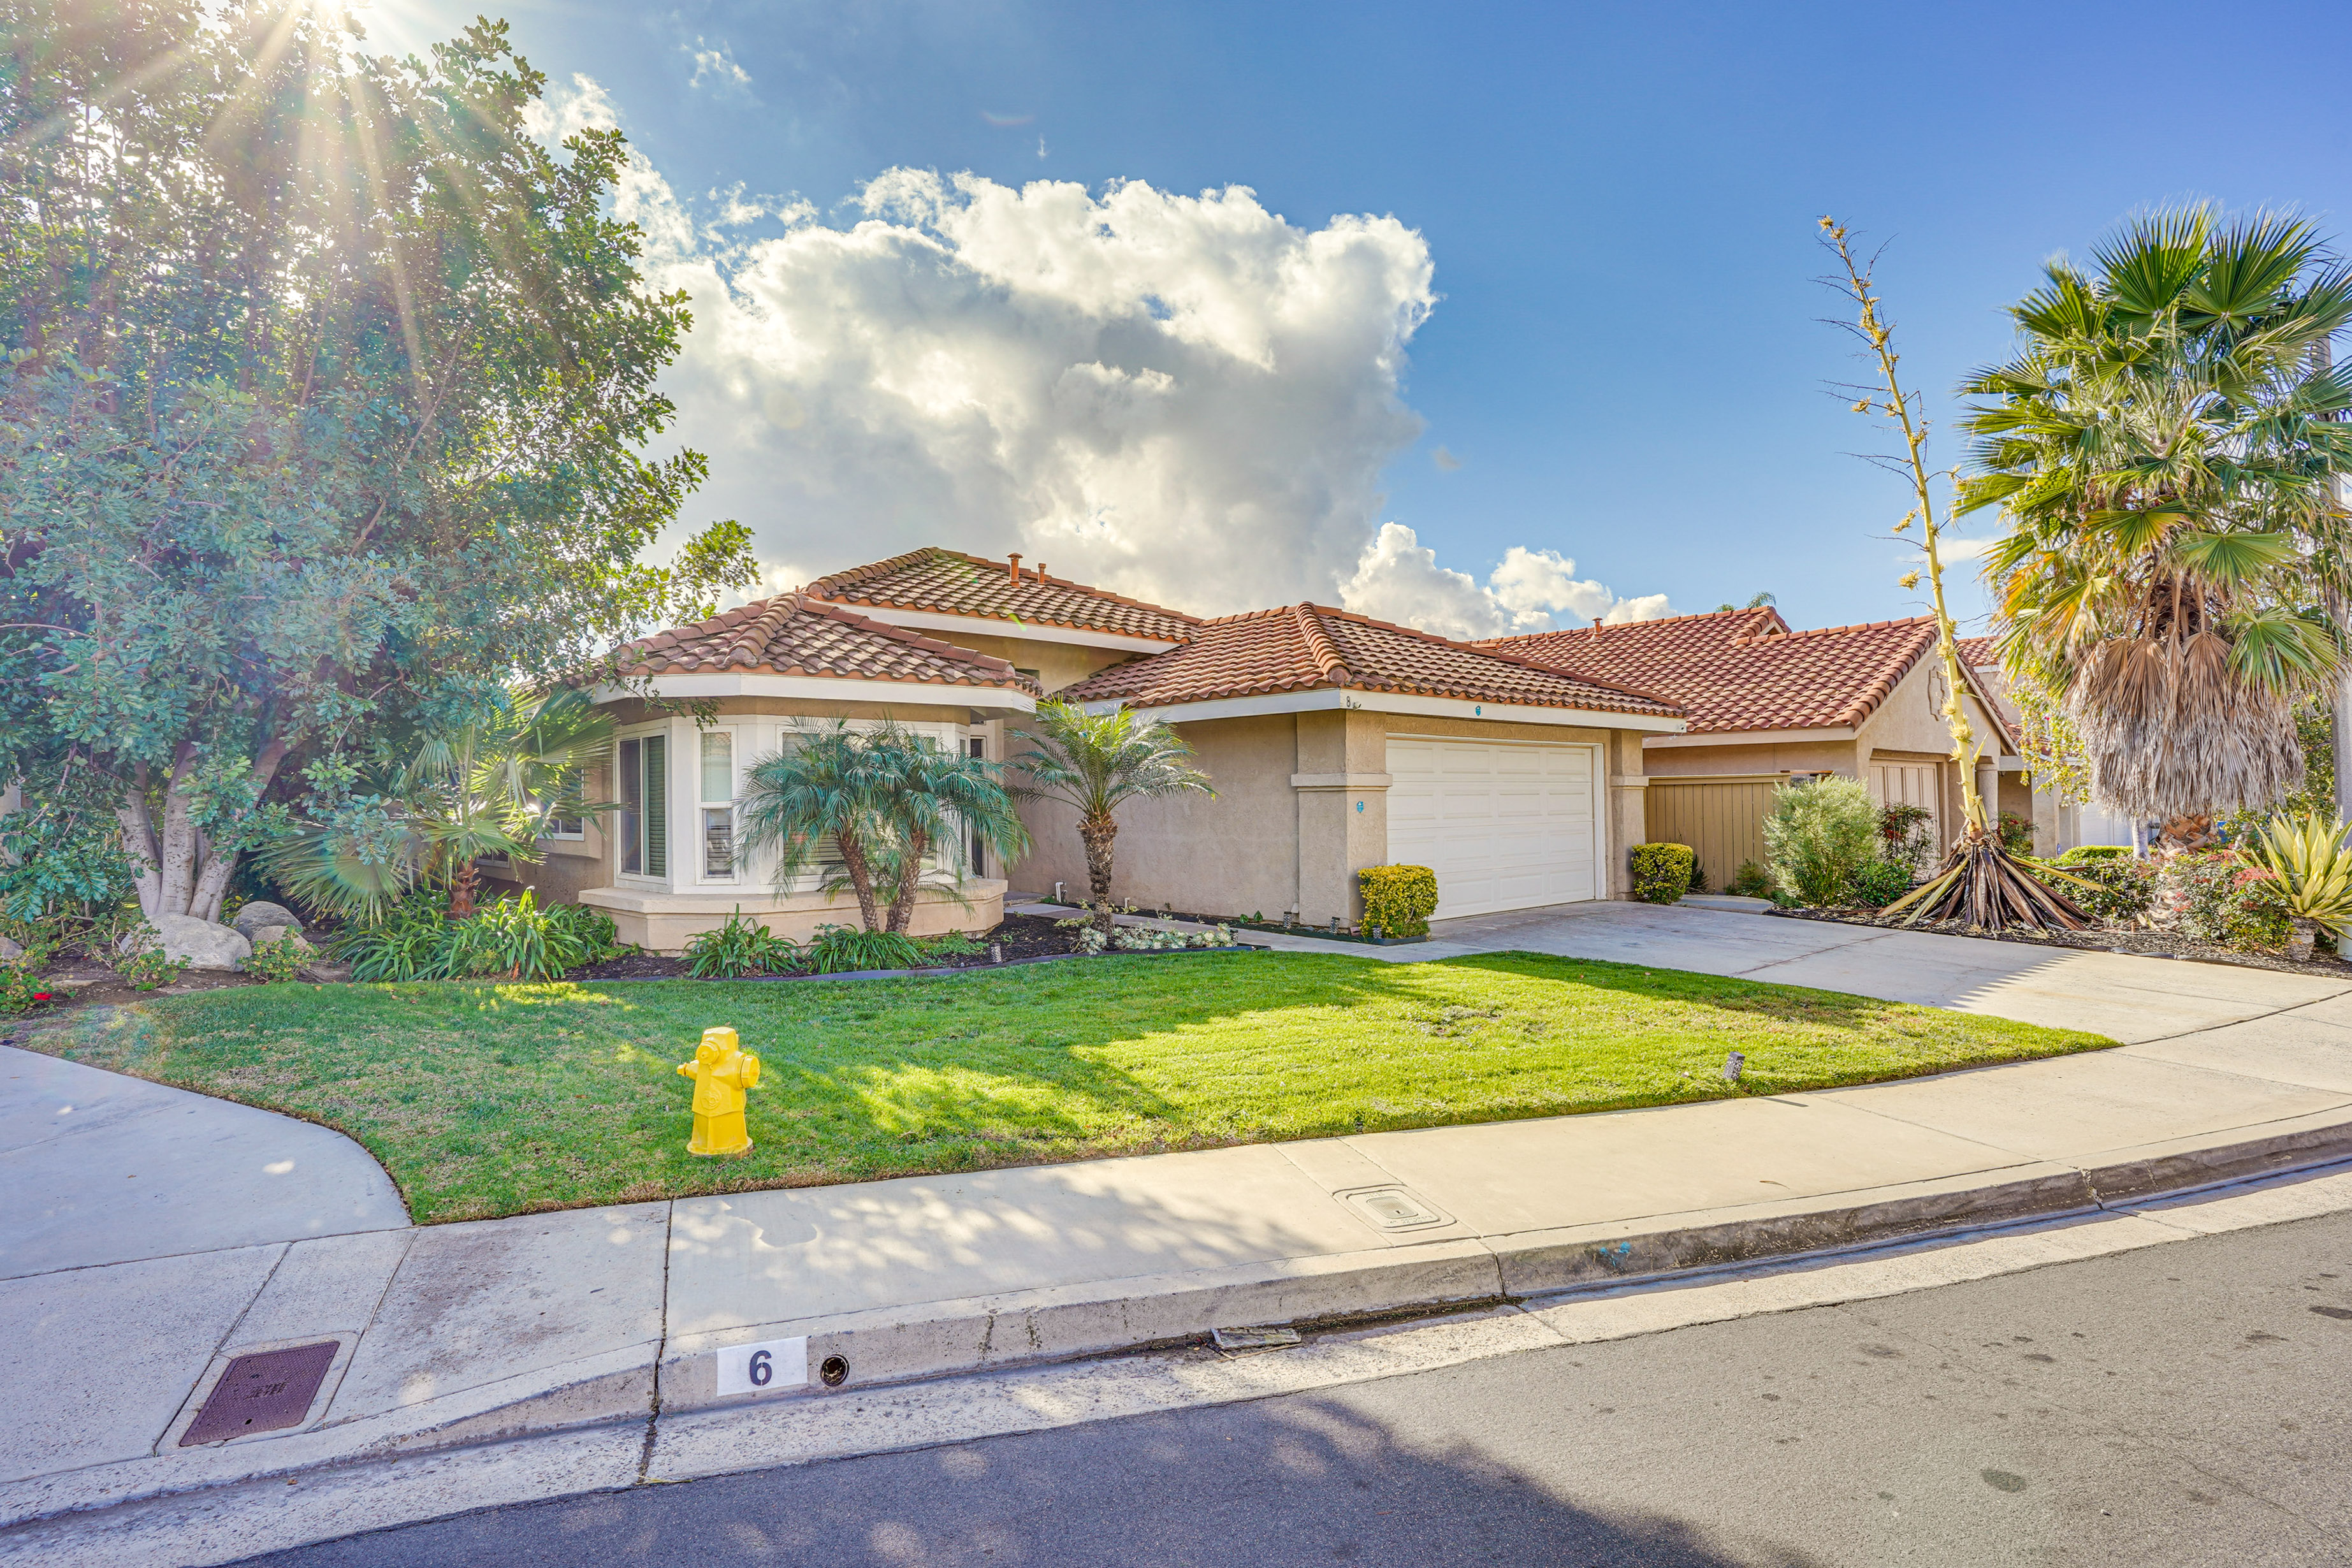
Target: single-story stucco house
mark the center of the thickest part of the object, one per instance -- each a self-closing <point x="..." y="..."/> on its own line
<point x="1768" y="704"/>
<point x="1334" y="741"/>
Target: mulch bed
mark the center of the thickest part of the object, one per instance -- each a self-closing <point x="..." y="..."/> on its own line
<point x="2140" y="944"/>
<point x="1020" y="936"/>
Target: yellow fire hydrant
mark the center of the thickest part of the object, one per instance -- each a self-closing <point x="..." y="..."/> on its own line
<point x="721" y="1070"/>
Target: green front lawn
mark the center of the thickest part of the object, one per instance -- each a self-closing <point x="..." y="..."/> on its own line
<point x="486" y="1099"/>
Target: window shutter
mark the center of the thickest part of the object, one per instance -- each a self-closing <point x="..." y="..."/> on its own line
<point x="657" y="806"/>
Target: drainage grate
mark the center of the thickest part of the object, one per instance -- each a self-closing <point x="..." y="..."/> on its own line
<point x="1392" y="1208"/>
<point x="266" y="1392"/>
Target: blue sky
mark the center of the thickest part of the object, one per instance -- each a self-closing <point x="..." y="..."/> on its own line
<point x="1618" y="202"/>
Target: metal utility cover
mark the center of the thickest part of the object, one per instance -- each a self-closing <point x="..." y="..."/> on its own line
<point x="1393" y="1208"/>
<point x="266" y="1392"/>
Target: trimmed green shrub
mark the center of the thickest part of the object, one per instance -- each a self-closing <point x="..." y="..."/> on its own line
<point x="2120" y="888"/>
<point x="2084" y="854"/>
<point x="740" y="947"/>
<point x="1662" y="872"/>
<point x="1819" y="835"/>
<point x="1880" y="882"/>
<point x="1399" y="899"/>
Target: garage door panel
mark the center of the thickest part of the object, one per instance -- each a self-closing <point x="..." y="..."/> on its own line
<point x="1504" y="826"/>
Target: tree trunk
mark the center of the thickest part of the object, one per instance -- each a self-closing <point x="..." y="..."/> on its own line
<point x="462" y="883"/>
<point x="2300" y="934"/>
<point x="861" y="877"/>
<point x="177" y="869"/>
<point x="2341" y="732"/>
<point x="2182" y="834"/>
<point x="1097" y="833"/>
<point x="910" y="880"/>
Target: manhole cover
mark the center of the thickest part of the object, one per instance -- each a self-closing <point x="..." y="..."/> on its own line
<point x="1392" y="1208"/>
<point x="266" y="1392"/>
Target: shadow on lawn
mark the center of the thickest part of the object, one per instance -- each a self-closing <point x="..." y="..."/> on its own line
<point x="1764" y="999"/>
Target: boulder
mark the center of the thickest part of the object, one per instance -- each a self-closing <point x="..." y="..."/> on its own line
<point x="199" y="944"/>
<point x="261" y="915"/>
<point x="9" y="951"/>
<point x="262" y="936"/>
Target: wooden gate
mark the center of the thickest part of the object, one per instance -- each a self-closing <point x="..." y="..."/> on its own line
<point x="1722" y="819"/>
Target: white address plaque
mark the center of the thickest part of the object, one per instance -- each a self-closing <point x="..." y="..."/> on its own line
<point x="769" y="1367"/>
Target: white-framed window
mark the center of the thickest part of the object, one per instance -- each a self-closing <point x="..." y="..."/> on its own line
<point x="716" y="804"/>
<point x="643" y="840"/>
<point x="569" y="828"/>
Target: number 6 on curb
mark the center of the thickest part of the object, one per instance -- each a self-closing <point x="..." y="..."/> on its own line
<point x="769" y="1367"/>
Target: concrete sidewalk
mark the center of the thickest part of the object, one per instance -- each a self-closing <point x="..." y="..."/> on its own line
<point x="463" y="1332"/>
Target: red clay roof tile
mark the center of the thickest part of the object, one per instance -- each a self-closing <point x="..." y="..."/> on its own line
<point x="948" y="582"/>
<point x="794" y="634"/>
<point x="1745" y="670"/>
<point x="1306" y="646"/>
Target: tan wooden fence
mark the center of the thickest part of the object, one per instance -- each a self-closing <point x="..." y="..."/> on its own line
<point x="1722" y="819"/>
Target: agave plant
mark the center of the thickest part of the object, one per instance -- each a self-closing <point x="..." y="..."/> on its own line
<point x="2309" y="856"/>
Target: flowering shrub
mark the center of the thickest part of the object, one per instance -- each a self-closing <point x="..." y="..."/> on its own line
<point x="2219" y="896"/>
<point x="20" y="989"/>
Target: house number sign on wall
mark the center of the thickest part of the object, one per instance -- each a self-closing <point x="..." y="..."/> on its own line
<point x="771" y="1366"/>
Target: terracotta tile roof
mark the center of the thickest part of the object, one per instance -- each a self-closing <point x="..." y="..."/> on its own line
<point x="794" y="634"/>
<point x="1979" y="652"/>
<point x="1306" y="646"/>
<point x="949" y="583"/>
<point x="1744" y="670"/>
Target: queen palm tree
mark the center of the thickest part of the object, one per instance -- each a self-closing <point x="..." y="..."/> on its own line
<point x="1095" y="763"/>
<point x="2165" y="447"/>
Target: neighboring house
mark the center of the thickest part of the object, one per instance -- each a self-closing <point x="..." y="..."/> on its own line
<point x="1768" y="705"/>
<point x="1335" y="742"/>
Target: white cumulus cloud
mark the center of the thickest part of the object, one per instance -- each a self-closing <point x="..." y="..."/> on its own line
<point x="1397" y="578"/>
<point x="715" y="68"/>
<point x="1186" y="398"/>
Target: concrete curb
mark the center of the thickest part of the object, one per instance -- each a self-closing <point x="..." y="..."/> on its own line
<point x="903" y="1345"/>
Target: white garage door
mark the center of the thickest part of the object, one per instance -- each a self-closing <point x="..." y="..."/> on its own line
<point x="1504" y="826"/>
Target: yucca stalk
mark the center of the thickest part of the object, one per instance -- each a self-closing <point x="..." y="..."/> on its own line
<point x="1980" y="883"/>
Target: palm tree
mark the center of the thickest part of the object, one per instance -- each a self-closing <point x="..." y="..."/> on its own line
<point x="485" y="785"/>
<point x="889" y="800"/>
<point x="1095" y="763"/>
<point x="2165" y="447"/>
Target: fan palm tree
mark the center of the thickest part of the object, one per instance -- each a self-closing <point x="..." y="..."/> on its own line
<point x="889" y="801"/>
<point x="1095" y="763"/>
<point x="2165" y="447"/>
<point x="486" y="786"/>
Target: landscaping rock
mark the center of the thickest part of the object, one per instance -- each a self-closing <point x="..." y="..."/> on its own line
<point x="263" y="916"/>
<point x="9" y="950"/>
<point x="199" y="944"/>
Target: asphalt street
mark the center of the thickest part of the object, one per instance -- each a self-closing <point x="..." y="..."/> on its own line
<point x="2184" y="1404"/>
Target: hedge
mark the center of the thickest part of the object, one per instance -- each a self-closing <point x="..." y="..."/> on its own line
<point x="1399" y="899"/>
<point x="1661" y="873"/>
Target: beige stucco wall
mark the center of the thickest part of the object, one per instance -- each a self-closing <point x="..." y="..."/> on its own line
<point x="1730" y="755"/>
<point x="1267" y="846"/>
<point x="1235" y="854"/>
<point x="1057" y="664"/>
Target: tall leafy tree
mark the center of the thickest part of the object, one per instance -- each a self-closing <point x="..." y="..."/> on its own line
<point x="327" y="385"/>
<point x="2165" y="447"/>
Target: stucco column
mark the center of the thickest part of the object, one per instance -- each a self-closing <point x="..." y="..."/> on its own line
<point x="1627" y="822"/>
<point x="1988" y="787"/>
<point x="1341" y="786"/>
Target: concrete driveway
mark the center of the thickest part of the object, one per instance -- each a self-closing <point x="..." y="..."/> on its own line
<point x="2128" y="998"/>
<point x="100" y="1168"/>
